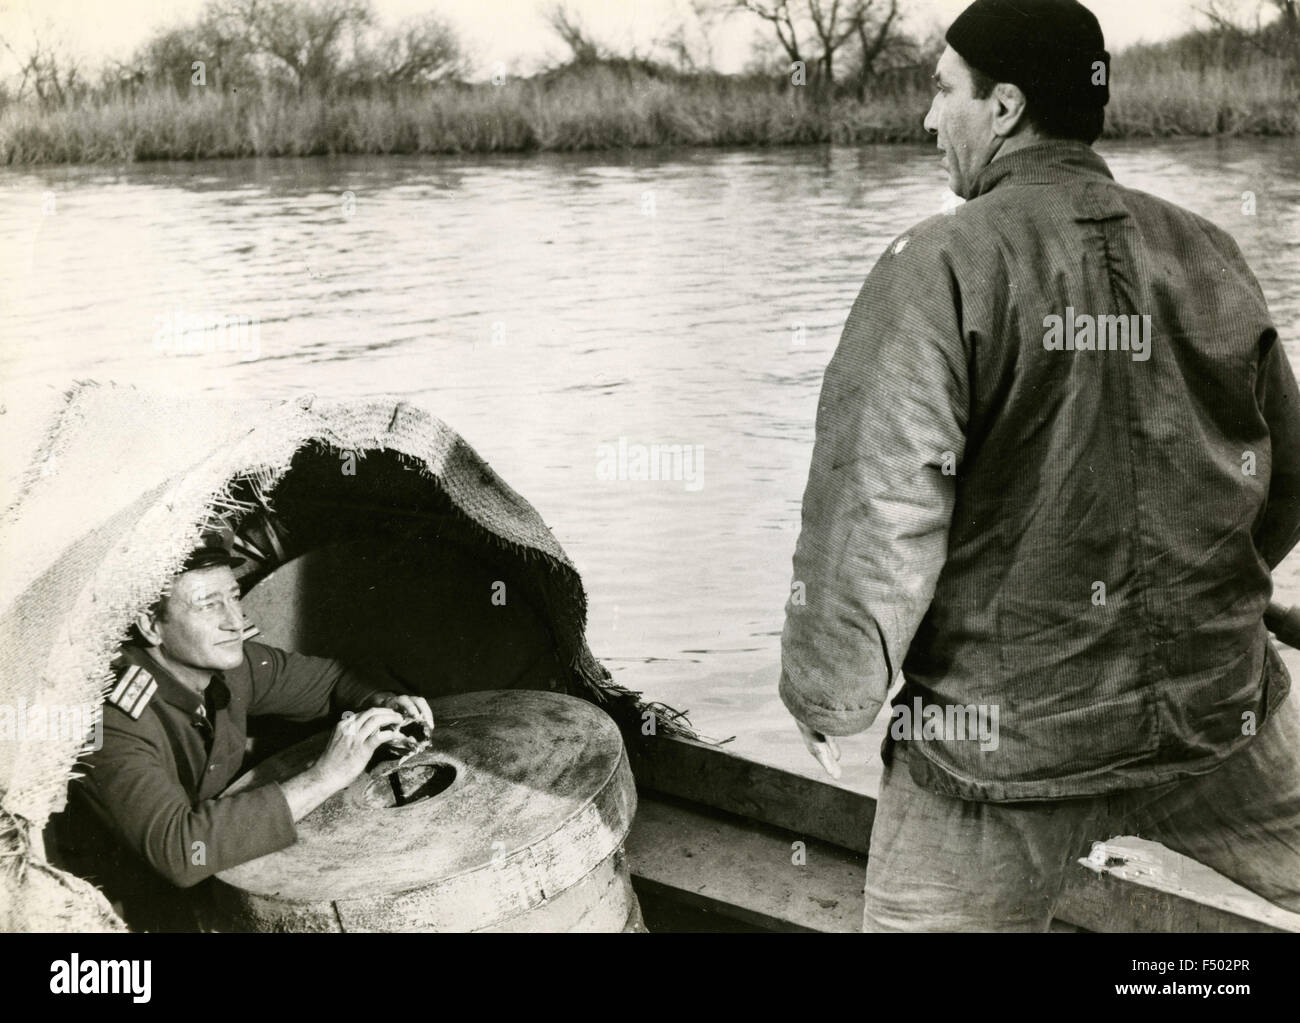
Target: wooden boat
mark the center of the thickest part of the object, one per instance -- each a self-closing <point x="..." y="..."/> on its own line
<point x="374" y="534"/>
<point x="712" y="844"/>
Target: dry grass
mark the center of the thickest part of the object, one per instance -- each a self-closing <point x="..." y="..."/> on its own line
<point x="1155" y="100"/>
<point x="596" y="108"/>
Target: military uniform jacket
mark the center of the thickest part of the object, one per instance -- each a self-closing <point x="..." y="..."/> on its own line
<point x="168" y="753"/>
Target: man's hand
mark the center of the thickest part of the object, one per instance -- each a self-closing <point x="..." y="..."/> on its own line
<point x="351" y="745"/>
<point x="416" y="707"/>
<point x="354" y="741"/>
<point x="823" y="748"/>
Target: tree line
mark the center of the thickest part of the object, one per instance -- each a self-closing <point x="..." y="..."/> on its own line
<point x="830" y="47"/>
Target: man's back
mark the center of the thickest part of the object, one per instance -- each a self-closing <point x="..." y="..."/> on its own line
<point x="1055" y="465"/>
<point x="1106" y="567"/>
<point x="1103" y="583"/>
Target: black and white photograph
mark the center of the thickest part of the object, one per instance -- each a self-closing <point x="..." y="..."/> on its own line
<point x="711" y="467"/>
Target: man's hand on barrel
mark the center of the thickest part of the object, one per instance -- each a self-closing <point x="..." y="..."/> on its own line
<point x="412" y="708"/>
<point x="351" y="745"/>
<point x="354" y="741"/>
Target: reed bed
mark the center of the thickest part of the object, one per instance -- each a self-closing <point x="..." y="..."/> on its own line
<point x="1262" y="98"/>
<point x="593" y="108"/>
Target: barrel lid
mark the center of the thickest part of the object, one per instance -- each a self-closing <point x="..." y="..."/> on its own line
<point x="541" y="795"/>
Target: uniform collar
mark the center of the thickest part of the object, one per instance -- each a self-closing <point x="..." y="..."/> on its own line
<point x="171" y="688"/>
<point x="1042" y="163"/>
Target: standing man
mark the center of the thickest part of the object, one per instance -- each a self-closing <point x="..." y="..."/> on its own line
<point x="175" y="727"/>
<point x="1057" y="456"/>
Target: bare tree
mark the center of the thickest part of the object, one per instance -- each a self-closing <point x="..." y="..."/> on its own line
<point x="817" y="32"/>
<point x="219" y="38"/>
<point x="422" y="50"/>
<point x="307" y="36"/>
<point x="166" y="57"/>
<point x="877" y="40"/>
<point x="1224" y="15"/>
<point x="51" y="77"/>
<point x="690" y="47"/>
<point x="1289" y="10"/>
<point x="833" y="31"/>
<point x="1290" y="16"/>
<point x="122" y="76"/>
<point x="566" y="24"/>
<point x="299" y="44"/>
<point x="1284" y="41"/>
<point x="776" y="13"/>
<point x="227" y="48"/>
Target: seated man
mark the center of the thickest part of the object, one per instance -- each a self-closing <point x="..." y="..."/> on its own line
<point x="175" y="728"/>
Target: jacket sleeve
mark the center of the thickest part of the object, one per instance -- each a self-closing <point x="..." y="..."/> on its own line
<point x="302" y="688"/>
<point x="880" y="494"/>
<point x="1279" y="402"/>
<point x="131" y="785"/>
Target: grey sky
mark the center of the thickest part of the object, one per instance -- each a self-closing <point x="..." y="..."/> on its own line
<point x="512" y="31"/>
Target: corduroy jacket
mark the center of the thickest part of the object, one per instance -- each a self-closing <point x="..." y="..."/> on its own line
<point x="1057" y="454"/>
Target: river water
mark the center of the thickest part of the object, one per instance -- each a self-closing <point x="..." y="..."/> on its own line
<point x="546" y="306"/>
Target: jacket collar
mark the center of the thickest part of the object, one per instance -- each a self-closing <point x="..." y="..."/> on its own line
<point x="170" y="688"/>
<point x="1041" y="164"/>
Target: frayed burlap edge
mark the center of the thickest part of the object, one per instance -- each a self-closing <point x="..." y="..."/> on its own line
<point x="134" y="549"/>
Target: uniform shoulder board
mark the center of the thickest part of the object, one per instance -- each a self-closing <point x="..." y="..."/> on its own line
<point x="135" y="688"/>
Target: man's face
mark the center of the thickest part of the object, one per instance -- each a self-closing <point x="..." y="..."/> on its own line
<point x="963" y="124"/>
<point x="204" y="627"/>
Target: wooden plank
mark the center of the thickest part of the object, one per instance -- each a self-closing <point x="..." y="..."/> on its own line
<point x="716" y="777"/>
<point x="744" y="870"/>
<point x="668" y="912"/>
<point x="1152" y="889"/>
<point x="1133" y="898"/>
<point x="676" y="862"/>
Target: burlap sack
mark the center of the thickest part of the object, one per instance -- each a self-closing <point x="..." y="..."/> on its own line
<point x="116" y="493"/>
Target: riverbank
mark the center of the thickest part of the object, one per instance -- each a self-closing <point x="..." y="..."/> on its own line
<point x="595" y="108"/>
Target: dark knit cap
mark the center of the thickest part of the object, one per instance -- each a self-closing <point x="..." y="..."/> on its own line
<point x="1049" y="48"/>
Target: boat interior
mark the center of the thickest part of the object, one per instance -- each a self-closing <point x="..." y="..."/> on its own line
<point x="380" y="569"/>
